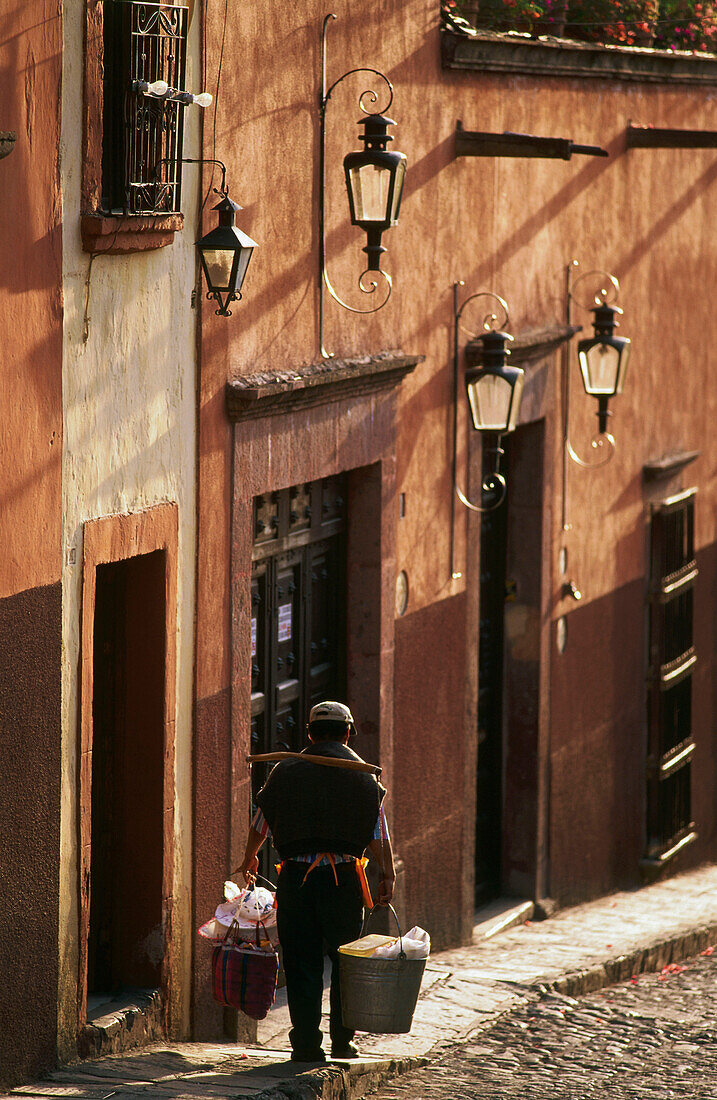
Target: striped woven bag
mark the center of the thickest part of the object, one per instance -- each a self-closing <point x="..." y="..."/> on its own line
<point x="244" y="975"/>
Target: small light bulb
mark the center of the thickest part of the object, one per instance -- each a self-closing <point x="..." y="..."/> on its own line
<point x="159" y="87"/>
<point x="204" y="99"/>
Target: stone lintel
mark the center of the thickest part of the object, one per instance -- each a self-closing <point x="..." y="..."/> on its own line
<point x="317" y="384"/>
<point x="660" y="469"/>
<point x="528" y="347"/>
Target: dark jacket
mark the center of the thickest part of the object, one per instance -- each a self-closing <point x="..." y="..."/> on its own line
<point x="317" y="808"/>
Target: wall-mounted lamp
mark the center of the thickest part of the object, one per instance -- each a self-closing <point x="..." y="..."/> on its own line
<point x="494" y="390"/>
<point x="603" y="359"/>
<point x="374" y="181"/>
<point x="224" y="251"/>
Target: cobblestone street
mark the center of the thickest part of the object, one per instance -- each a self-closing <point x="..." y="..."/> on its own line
<point x="654" y="1036"/>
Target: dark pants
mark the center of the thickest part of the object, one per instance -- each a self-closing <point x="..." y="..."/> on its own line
<point x="308" y="916"/>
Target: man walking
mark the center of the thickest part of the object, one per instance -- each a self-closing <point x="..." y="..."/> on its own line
<point x="322" y="815"/>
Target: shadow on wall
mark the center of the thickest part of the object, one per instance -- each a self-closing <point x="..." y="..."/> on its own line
<point x="597" y="799"/>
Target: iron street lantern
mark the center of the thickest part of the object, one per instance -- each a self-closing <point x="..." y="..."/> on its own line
<point x="374" y="181"/>
<point x="494" y="389"/>
<point x="225" y="253"/>
<point x="603" y="360"/>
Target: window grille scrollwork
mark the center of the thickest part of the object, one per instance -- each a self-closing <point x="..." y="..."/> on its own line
<point x="143" y="135"/>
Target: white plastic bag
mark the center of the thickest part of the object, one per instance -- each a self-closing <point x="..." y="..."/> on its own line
<point x="250" y="908"/>
<point x="416" y="944"/>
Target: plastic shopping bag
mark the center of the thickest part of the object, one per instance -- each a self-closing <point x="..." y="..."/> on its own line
<point x="416" y="944"/>
<point x="249" y="908"/>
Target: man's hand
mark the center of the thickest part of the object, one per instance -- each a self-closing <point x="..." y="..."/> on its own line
<point x="381" y="851"/>
<point x="385" y="889"/>
<point x="248" y="870"/>
<point x="250" y="864"/>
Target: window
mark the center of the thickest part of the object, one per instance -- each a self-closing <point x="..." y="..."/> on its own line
<point x="142" y="135"/>
<point x="672" y="657"/>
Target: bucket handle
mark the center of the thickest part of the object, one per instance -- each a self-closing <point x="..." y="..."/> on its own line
<point x="388" y="905"/>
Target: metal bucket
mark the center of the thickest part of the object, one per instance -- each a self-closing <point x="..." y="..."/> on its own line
<point x="380" y="995"/>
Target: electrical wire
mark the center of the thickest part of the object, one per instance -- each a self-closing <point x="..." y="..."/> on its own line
<point x="216" y="92"/>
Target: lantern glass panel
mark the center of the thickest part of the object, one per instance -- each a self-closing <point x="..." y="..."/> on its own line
<point x="625" y="357"/>
<point x="490" y="398"/>
<point x="244" y="257"/>
<point x="600" y="365"/>
<point x="371" y="187"/>
<point x="515" y="407"/>
<point x="218" y="264"/>
<point x="397" y="190"/>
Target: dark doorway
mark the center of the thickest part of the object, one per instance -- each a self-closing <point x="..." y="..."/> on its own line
<point x="298" y="615"/>
<point x="489" y="784"/>
<point x="126" y="939"/>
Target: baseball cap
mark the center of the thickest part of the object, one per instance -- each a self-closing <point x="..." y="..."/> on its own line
<point x="330" y="711"/>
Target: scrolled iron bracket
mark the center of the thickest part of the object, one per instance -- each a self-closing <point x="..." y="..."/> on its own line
<point x="603" y="442"/>
<point x="494" y="482"/>
<point x="367" y="282"/>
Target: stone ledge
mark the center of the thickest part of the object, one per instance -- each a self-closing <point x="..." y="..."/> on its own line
<point x="124" y="1023"/>
<point x="333" y="380"/>
<point x="7" y="142"/>
<point x="550" y="57"/>
<point x="128" y="233"/>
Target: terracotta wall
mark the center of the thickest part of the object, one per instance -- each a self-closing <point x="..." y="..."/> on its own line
<point x="30" y="612"/>
<point x="507" y="225"/>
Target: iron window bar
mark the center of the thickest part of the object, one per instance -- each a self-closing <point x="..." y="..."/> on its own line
<point x="668" y="587"/>
<point x="478" y="143"/>
<point x="664" y="857"/>
<point x="672" y="672"/>
<point x="676" y="759"/>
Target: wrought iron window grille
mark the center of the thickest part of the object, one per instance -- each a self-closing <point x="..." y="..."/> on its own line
<point x="145" y="46"/>
<point x="673" y="573"/>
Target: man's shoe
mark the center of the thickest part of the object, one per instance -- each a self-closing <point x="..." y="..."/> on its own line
<point x="347" y="1051"/>
<point x="308" y="1055"/>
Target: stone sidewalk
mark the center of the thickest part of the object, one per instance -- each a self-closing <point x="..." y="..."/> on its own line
<point x="465" y="990"/>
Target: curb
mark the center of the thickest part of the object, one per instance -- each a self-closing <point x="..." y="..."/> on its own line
<point x="342" y="1082"/>
<point x="641" y="961"/>
<point x="350" y="1081"/>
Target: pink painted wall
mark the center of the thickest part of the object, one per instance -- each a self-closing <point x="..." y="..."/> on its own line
<point x="30" y="598"/>
<point x="506" y="225"/>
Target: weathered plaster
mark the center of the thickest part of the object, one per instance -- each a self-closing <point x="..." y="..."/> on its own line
<point x="503" y="224"/>
<point x="129" y="420"/>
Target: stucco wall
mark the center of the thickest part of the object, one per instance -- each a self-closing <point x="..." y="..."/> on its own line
<point x="509" y="225"/>
<point x="30" y="449"/>
<point x="129" y="413"/>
